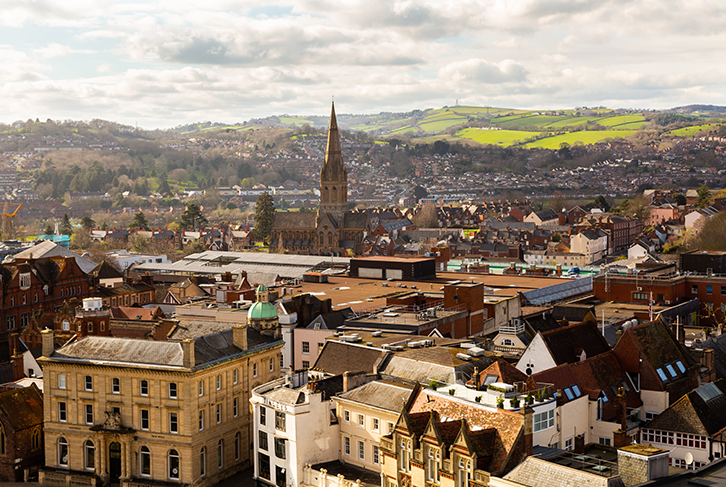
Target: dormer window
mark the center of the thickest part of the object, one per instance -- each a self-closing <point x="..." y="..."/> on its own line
<point x="24" y="280"/>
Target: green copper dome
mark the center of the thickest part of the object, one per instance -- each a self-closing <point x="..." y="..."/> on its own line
<point x="261" y="311"/>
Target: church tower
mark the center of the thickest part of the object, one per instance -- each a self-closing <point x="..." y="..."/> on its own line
<point x="333" y="177"/>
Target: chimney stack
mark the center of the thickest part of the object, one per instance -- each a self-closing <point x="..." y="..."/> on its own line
<point x="239" y="336"/>
<point x="47" y="340"/>
<point x="188" y="350"/>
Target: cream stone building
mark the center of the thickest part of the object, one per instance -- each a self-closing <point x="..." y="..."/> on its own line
<point x="140" y="413"/>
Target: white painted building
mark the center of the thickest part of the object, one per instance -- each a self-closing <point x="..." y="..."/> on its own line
<point x="593" y="244"/>
<point x="126" y="259"/>
<point x="294" y="425"/>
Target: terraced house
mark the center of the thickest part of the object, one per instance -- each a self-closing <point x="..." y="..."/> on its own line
<point x="151" y="413"/>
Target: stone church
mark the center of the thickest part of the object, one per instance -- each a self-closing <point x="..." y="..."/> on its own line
<point x="333" y="230"/>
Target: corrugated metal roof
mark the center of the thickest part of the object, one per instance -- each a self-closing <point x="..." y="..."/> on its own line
<point x="557" y="292"/>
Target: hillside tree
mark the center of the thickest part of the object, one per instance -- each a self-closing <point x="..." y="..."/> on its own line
<point x="65" y="227"/>
<point x="192" y="217"/>
<point x="140" y="222"/>
<point x="264" y="215"/>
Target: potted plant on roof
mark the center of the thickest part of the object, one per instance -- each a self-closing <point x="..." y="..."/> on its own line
<point x="529" y="399"/>
<point x="500" y="402"/>
<point x="514" y="402"/>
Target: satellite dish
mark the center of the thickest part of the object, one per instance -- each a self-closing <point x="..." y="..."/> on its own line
<point x="689" y="458"/>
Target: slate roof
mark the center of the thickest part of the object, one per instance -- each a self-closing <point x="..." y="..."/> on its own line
<point x="694" y="415"/>
<point x="294" y="219"/>
<point x="568" y="342"/>
<point x="196" y="328"/>
<point x="104" y="270"/>
<point x="22" y="407"/>
<point x="546" y="215"/>
<point x="338" y="357"/>
<point x="330" y="321"/>
<point x="601" y="374"/>
<point x="657" y="345"/>
<point x="108" y="350"/>
<point x="125" y="350"/>
<point x="718" y="345"/>
<point x="380" y="394"/>
<point x="534" y="472"/>
<point x="51" y="249"/>
<point x="355" y="220"/>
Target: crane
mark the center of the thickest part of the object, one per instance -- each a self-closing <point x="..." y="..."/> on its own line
<point x="9" y="230"/>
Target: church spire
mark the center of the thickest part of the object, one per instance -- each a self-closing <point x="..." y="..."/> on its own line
<point x="333" y="154"/>
<point x="333" y="176"/>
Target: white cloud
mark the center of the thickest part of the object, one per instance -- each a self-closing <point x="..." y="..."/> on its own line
<point x="167" y="62"/>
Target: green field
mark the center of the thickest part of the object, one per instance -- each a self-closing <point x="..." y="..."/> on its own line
<point x="533" y="121"/>
<point x="502" y="138"/>
<point x="507" y="118"/>
<point x="295" y="121"/>
<point x="620" y="120"/>
<point x="572" y="122"/>
<point x="586" y="137"/>
<point x="404" y="130"/>
<point x="691" y="131"/>
<point x="441" y="121"/>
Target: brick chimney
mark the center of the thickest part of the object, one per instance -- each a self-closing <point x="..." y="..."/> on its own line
<point x="239" y="336"/>
<point x="188" y="360"/>
<point x="47" y="341"/>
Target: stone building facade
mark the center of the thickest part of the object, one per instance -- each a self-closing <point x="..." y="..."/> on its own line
<point x="140" y="413"/>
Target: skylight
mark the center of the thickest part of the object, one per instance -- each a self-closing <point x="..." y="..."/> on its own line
<point x="662" y="375"/>
<point x="680" y="366"/>
<point x="709" y="392"/>
<point x="568" y="392"/>
<point x="576" y="390"/>
<point x="671" y="370"/>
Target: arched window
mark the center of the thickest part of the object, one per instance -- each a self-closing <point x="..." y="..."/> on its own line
<point x="508" y="342"/>
<point x="89" y="455"/>
<point x="62" y="452"/>
<point x="220" y="454"/>
<point x="144" y="462"/>
<point x="34" y="440"/>
<point x="236" y="446"/>
<point x="330" y="239"/>
<point x="202" y="462"/>
<point x="325" y="195"/>
<point x="322" y="239"/>
<point x="173" y="465"/>
<point x="335" y="194"/>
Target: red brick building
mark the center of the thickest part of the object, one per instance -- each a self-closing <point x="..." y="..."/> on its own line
<point x="21" y="433"/>
<point x="710" y="291"/>
<point x="33" y="290"/>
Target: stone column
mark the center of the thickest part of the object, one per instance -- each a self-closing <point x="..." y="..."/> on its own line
<point x="102" y="457"/>
<point x="125" y="470"/>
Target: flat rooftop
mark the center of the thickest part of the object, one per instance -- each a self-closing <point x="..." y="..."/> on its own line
<point x="350" y="472"/>
<point x="361" y="294"/>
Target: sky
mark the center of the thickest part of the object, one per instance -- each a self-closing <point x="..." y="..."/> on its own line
<point x="159" y="64"/>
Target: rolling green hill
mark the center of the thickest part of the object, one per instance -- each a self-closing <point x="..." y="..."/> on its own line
<point x="497" y="126"/>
